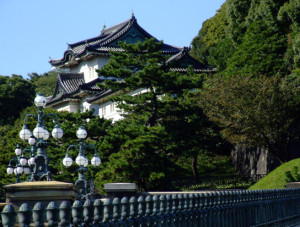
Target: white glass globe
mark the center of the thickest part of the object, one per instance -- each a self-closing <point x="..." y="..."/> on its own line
<point x="31" y="161"/>
<point x="15" y="171"/>
<point x="38" y="132"/>
<point x="67" y="161"/>
<point x="26" y="170"/>
<point x="57" y="132"/>
<point x="31" y="140"/>
<point x="10" y="170"/>
<point x="81" y="133"/>
<point x="18" y="151"/>
<point x="80" y="160"/>
<point x="96" y="161"/>
<point x="40" y="100"/>
<point x="25" y="133"/>
<point x="46" y="134"/>
<point x="86" y="162"/>
<point x="19" y="169"/>
<point x="23" y="161"/>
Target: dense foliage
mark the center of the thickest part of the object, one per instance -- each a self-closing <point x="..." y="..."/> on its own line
<point x="259" y="111"/>
<point x="162" y="122"/>
<point x="263" y="38"/>
<point x="171" y="128"/>
<point x="251" y="43"/>
<point x="16" y="94"/>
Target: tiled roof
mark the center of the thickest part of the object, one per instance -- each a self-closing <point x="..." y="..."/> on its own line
<point x="99" y="95"/>
<point x="180" y="62"/>
<point x="67" y="84"/>
<point x="179" y="55"/>
<point x="184" y="70"/>
<point x="102" y="42"/>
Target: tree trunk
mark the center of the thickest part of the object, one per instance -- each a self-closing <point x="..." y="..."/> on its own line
<point x="194" y="166"/>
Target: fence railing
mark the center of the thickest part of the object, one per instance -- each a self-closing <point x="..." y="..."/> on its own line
<point x="278" y="207"/>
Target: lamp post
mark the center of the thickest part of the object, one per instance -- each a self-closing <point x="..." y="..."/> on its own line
<point x="19" y="164"/>
<point x="40" y="169"/>
<point x="82" y="161"/>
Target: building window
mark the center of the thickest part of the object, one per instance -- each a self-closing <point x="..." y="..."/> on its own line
<point x="112" y="107"/>
<point x="103" y="111"/>
<point x="92" y="72"/>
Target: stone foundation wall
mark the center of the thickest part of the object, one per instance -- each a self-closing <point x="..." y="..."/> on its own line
<point x="252" y="161"/>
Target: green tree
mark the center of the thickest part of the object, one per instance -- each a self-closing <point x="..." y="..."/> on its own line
<point x="69" y="122"/>
<point x="165" y="102"/>
<point x="136" y="153"/>
<point x="141" y="67"/>
<point x="44" y="83"/>
<point x="259" y="111"/>
<point x="16" y="94"/>
<point x="212" y="45"/>
<point x="251" y="37"/>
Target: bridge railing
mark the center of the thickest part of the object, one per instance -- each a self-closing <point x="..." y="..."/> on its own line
<point x="278" y="207"/>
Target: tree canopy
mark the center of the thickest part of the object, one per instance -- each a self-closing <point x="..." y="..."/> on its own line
<point x="259" y="111"/>
<point x="260" y="39"/>
<point x="162" y="121"/>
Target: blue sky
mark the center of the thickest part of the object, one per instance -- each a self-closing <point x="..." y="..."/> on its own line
<point x="31" y="31"/>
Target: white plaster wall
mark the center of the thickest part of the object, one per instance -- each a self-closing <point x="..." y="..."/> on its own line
<point x="89" y="67"/>
<point x="85" y="106"/>
<point x="70" y="107"/>
<point x="109" y="110"/>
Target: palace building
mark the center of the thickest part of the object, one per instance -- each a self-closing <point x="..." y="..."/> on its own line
<point x="77" y="90"/>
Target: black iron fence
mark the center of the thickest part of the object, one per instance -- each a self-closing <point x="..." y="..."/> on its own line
<point x="279" y="207"/>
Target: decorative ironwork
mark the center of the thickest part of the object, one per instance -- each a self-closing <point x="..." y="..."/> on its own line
<point x="82" y="183"/>
<point x="39" y="160"/>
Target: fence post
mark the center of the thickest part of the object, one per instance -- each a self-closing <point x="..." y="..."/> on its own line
<point x="174" y="210"/>
<point x="155" y="210"/>
<point x="65" y="213"/>
<point x="148" y="212"/>
<point x="24" y="215"/>
<point x="141" y="210"/>
<point x="38" y="214"/>
<point x="116" y="210"/>
<point x="98" y="212"/>
<point x="133" y="210"/>
<point x="52" y="214"/>
<point x="162" y="210"/>
<point x="77" y="213"/>
<point x="88" y="212"/>
<point x="124" y="209"/>
<point x="169" y="218"/>
<point x="8" y="216"/>
<point x="107" y="211"/>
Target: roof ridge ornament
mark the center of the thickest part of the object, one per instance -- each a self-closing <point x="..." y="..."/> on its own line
<point x="132" y="16"/>
<point x="104" y="28"/>
<point x="186" y="48"/>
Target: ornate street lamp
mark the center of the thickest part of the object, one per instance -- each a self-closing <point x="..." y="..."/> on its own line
<point x="19" y="164"/>
<point x="82" y="161"/>
<point x="40" y="160"/>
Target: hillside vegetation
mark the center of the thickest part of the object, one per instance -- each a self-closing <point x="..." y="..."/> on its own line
<point x="251" y="37"/>
<point x="276" y="179"/>
<point x="254" y="97"/>
<point x="177" y="129"/>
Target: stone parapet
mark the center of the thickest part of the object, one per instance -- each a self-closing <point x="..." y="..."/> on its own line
<point x="40" y="191"/>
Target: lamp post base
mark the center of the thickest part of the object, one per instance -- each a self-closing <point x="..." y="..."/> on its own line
<point x="40" y="191"/>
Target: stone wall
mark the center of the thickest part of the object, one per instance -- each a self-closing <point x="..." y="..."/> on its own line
<point x="252" y="161"/>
